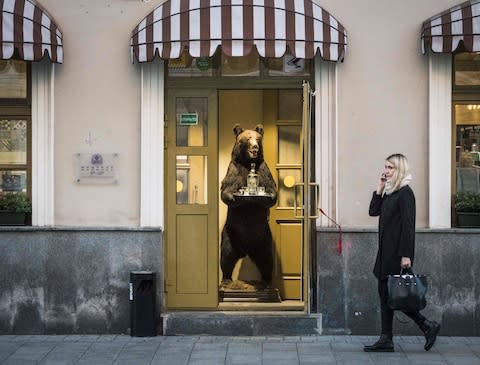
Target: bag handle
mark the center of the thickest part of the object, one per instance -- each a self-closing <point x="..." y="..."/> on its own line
<point x="408" y="271"/>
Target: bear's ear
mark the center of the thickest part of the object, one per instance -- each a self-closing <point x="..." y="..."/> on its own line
<point x="259" y="128"/>
<point x="237" y="129"/>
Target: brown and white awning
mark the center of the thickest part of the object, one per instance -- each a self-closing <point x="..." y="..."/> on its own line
<point x="455" y="29"/>
<point x="272" y="26"/>
<point x="27" y="28"/>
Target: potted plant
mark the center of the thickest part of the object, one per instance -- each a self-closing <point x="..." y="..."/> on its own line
<point x="467" y="207"/>
<point x="14" y="208"/>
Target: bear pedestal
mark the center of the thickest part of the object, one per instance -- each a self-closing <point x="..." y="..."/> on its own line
<point x="248" y="291"/>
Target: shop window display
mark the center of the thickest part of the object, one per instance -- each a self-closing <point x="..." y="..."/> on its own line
<point x="15" y="133"/>
<point x="466" y="138"/>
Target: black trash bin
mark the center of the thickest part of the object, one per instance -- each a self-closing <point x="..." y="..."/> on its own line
<point x="142" y="303"/>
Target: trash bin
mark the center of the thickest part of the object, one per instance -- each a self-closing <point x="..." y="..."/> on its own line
<point x="142" y="303"/>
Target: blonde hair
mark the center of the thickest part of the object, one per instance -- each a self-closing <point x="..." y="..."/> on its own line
<point x="401" y="169"/>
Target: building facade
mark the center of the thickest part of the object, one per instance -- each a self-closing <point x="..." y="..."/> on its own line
<point x="116" y="121"/>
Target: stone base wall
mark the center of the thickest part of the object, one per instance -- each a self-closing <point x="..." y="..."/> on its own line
<point x="73" y="281"/>
<point x="347" y="290"/>
<point x="62" y="281"/>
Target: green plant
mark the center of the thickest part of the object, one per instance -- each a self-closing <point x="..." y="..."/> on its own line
<point x="467" y="201"/>
<point x="15" y="202"/>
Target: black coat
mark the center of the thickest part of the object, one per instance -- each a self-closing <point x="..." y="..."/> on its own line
<point x="396" y="230"/>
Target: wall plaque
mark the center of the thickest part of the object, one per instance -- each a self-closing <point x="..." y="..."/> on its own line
<point x="97" y="168"/>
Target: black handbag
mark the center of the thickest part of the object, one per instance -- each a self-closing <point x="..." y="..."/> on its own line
<point x="406" y="292"/>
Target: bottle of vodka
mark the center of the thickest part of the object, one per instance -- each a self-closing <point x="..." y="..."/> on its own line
<point x="252" y="181"/>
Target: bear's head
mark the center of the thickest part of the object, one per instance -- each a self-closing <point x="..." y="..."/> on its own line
<point x="248" y="146"/>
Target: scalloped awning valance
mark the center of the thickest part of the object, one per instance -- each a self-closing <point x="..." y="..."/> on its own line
<point x="455" y="29"/>
<point x="27" y="28"/>
<point x="201" y="26"/>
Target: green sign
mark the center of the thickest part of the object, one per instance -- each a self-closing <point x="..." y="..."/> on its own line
<point x="203" y="63"/>
<point x="189" y="119"/>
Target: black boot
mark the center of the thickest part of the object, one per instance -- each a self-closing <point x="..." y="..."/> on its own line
<point x="384" y="344"/>
<point x="430" y="329"/>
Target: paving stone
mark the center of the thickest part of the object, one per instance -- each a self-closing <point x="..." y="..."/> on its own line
<point x="453" y="348"/>
<point x="244" y="362"/>
<point x="7" y="349"/>
<point x="461" y="359"/>
<point x="319" y="358"/>
<point x="46" y="338"/>
<point x="31" y="352"/>
<point x="22" y="338"/>
<point x="280" y="355"/>
<point x="81" y="338"/>
<point x="243" y="359"/>
<point x="245" y="349"/>
<point x="353" y="358"/>
<point x="119" y="338"/>
<point x="313" y="348"/>
<point x="211" y="346"/>
<point x="346" y="347"/>
<point x="280" y="362"/>
<point x="208" y="354"/>
<point x="19" y="362"/>
<point x="224" y="350"/>
<point x="169" y="359"/>
<point x="7" y="338"/>
<point x="206" y="362"/>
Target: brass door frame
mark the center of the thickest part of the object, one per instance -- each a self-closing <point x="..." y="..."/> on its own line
<point x="309" y="205"/>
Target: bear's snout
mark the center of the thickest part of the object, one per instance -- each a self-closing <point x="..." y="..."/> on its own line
<point x="253" y="147"/>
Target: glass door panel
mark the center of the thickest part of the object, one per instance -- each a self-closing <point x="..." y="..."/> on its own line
<point x="192" y="179"/>
<point x="192" y="122"/>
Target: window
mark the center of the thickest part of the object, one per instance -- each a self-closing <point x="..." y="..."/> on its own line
<point x="15" y="127"/>
<point x="466" y="134"/>
<point x="252" y="65"/>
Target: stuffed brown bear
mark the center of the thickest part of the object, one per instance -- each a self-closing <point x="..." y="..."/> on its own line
<point x="246" y="231"/>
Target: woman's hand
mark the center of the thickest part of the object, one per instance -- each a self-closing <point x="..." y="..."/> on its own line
<point x="381" y="184"/>
<point x="406" y="263"/>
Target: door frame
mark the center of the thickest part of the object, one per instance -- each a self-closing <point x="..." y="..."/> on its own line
<point x="308" y="187"/>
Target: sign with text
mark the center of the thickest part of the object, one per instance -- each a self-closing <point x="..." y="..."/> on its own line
<point x="188" y="119"/>
<point x="97" y="168"/>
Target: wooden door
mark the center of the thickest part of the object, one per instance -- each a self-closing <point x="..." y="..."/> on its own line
<point x="191" y="200"/>
<point x="283" y="153"/>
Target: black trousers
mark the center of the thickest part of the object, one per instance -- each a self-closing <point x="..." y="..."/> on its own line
<point x="387" y="312"/>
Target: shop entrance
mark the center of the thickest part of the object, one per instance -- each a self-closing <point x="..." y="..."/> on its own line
<point x="198" y="149"/>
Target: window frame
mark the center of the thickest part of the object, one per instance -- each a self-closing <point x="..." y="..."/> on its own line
<point x="21" y="109"/>
<point x="461" y="95"/>
<point x="13" y="104"/>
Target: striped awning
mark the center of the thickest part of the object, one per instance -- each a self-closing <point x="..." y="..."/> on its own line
<point x="272" y="26"/>
<point x="453" y="30"/>
<point x="27" y="28"/>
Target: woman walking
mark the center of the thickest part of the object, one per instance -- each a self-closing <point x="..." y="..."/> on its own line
<point x="394" y="202"/>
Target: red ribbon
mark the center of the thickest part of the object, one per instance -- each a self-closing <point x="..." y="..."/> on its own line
<point x="340" y="240"/>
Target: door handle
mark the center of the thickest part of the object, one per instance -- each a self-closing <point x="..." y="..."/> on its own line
<point x="295" y="208"/>
<point x="315" y="200"/>
<point x="316" y="189"/>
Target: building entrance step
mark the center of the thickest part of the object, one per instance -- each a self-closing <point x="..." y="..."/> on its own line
<point x="236" y="323"/>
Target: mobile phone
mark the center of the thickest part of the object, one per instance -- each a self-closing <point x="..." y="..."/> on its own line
<point x="384" y="177"/>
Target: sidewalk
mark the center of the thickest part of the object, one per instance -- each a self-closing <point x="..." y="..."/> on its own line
<point x="211" y="350"/>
